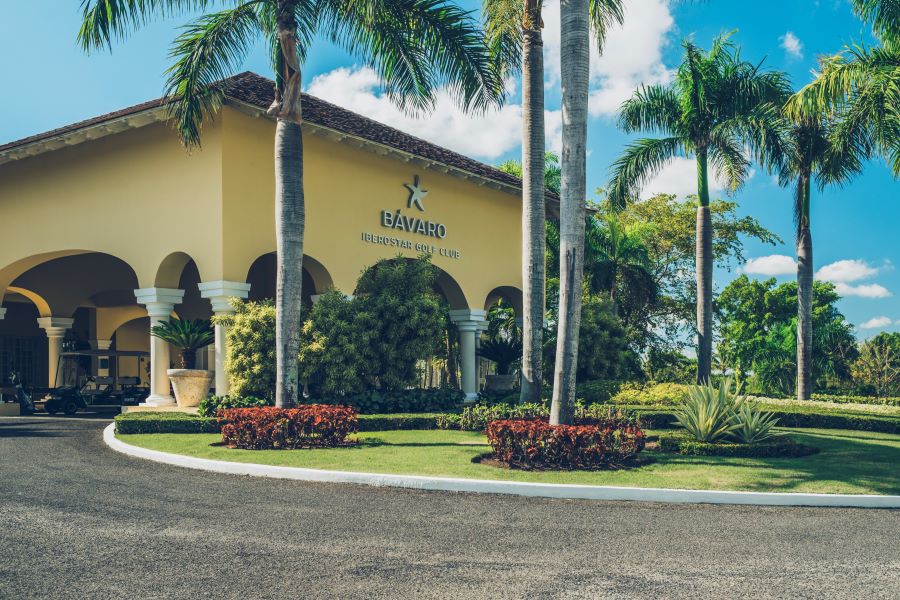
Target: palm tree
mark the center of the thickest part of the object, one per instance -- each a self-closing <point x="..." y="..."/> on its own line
<point x="616" y="254"/>
<point x="186" y="335"/>
<point x="818" y="148"/>
<point x="514" y="32"/>
<point x="717" y="107"/>
<point x="415" y="45"/>
<point x="862" y="84"/>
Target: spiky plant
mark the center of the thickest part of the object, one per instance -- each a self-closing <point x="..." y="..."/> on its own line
<point x="707" y="411"/>
<point x="186" y="335"/>
<point x="752" y="425"/>
<point x="503" y="352"/>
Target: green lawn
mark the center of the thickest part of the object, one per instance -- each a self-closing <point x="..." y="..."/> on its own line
<point x="851" y="462"/>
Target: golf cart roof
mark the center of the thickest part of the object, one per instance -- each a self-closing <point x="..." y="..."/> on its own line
<point x="110" y="353"/>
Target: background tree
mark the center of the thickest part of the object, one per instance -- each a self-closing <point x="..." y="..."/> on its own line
<point x="414" y="45"/>
<point x="514" y="32"/>
<point x="817" y="148"/>
<point x="878" y="366"/>
<point x="663" y="323"/>
<point x="758" y="324"/>
<point x="717" y="107"/>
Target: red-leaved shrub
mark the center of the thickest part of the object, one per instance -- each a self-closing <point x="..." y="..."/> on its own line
<point x="535" y="443"/>
<point x="308" y="426"/>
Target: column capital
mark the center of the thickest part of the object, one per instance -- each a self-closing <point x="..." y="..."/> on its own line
<point x="55" y="326"/>
<point x="220" y="293"/>
<point x="100" y="344"/>
<point x="468" y="319"/>
<point x="160" y="302"/>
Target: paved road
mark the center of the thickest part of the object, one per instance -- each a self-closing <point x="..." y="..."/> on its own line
<point x="78" y="520"/>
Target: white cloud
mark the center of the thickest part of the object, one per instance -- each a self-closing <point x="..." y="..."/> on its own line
<point x="632" y="53"/>
<point x="876" y="323"/>
<point x="487" y="136"/>
<point x="870" y="290"/>
<point x="845" y="271"/>
<point x="679" y="177"/>
<point x="792" y="44"/>
<point x="774" y="264"/>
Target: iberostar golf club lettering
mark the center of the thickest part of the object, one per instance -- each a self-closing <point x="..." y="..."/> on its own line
<point x="109" y="227"/>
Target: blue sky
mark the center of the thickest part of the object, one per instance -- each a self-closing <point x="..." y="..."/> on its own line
<point x="53" y="83"/>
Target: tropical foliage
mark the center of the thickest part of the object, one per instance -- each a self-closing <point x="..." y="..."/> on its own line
<point x="186" y="335"/>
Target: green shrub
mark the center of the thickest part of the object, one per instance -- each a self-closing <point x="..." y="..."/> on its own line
<point x="654" y="394"/>
<point x="597" y="391"/>
<point x="164" y="422"/>
<point x="780" y="447"/>
<point x="844" y="399"/>
<point x="209" y="405"/>
<point x="251" y="348"/>
<point x="398" y="401"/>
<point x="399" y="421"/>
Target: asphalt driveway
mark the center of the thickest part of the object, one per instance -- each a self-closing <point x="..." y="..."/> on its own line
<point x="78" y="520"/>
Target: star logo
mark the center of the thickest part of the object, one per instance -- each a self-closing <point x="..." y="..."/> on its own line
<point x="416" y="194"/>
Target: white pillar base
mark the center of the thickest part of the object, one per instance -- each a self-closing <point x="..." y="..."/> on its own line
<point x="154" y="400"/>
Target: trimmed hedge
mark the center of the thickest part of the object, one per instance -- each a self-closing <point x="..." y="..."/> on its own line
<point x="211" y="405"/>
<point x="845" y="399"/>
<point x="476" y="417"/>
<point x="165" y="422"/>
<point x="399" y="401"/>
<point x="269" y="428"/>
<point x="398" y="422"/>
<point x="777" y="447"/>
<point x="534" y="443"/>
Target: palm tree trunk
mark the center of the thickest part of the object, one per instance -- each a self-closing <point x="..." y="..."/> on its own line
<point x="533" y="205"/>
<point x="804" y="291"/>
<point x="704" y="270"/>
<point x="574" y="69"/>
<point x="290" y="210"/>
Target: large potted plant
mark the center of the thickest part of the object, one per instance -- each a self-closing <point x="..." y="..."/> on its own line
<point x="505" y="353"/>
<point x="191" y="385"/>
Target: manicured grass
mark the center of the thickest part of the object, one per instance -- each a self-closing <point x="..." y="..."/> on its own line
<point x="851" y="462"/>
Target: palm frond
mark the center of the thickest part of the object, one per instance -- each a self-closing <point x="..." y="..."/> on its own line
<point x="503" y="22"/>
<point x="652" y="108"/>
<point x="605" y="14"/>
<point x="641" y="160"/>
<point x="105" y="20"/>
<point x="728" y="160"/>
<point x="206" y="52"/>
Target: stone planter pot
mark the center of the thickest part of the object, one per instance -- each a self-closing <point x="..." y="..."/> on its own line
<point x="190" y="385"/>
<point x="500" y="383"/>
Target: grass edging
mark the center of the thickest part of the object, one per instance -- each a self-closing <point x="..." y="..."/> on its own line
<point x="544" y="490"/>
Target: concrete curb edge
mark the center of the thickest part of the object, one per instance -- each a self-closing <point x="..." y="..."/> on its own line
<point x="486" y="486"/>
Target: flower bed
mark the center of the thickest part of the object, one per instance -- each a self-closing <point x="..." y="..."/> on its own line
<point x="534" y="443"/>
<point x="777" y="447"/>
<point x="310" y="426"/>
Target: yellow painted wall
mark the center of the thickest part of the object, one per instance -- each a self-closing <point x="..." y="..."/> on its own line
<point x="346" y="188"/>
<point x="138" y="196"/>
<point x="135" y="195"/>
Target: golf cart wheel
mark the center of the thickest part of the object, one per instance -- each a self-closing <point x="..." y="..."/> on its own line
<point x="70" y="407"/>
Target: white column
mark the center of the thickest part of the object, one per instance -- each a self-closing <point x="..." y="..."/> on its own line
<point x="220" y="294"/>
<point x="160" y="302"/>
<point x="469" y="323"/>
<point x="102" y="371"/>
<point x="2" y="313"/>
<point x="56" y="328"/>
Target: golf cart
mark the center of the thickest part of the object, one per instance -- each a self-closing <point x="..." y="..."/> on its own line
<point x="76" y="389"/>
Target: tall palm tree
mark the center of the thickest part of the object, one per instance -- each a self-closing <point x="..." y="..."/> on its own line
<point x="514" y="32"/>
<point x="616" y="254"/>
<point x="862" y="83"/>
<point x="718" y="107"/>
<point x="415" y="45"/>
<point x="818" y="147"/>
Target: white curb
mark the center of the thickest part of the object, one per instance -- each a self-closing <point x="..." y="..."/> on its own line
<point x="487" y="486"/>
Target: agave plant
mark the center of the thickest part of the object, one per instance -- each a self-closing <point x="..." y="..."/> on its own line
<point x="707" y="412"/>
<point x="751" y="425"/>
<point x="186" y="335"/>
<point x="502" y="351"/>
